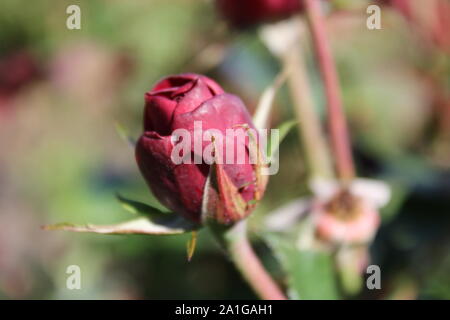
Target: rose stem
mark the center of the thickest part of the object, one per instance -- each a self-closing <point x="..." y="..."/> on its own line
<point x="235" y="241"/>
<point x="311" y="135"/>
<point x="336" y="121"/>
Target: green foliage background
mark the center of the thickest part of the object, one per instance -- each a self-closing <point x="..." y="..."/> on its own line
<point x="61" y="158"/>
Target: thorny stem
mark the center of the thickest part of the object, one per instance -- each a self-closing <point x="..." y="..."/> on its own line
<point x="336" y="121"/>
<point x="235" y="241"/>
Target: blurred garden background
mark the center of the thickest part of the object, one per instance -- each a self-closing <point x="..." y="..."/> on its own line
<point x="63" y="93"/>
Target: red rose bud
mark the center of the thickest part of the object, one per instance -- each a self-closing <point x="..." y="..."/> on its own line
<point x="245" y="13"/>
<point x="176" y="108"/>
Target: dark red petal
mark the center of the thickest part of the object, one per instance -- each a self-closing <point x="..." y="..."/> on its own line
<point x="178" y="187"/>
<point x="191" y="179"/>
<point x="190" y="98"/>
<point x="171" y="82"/>
<point x="153" y="158"/>
<point x="220" y="112"/>
<point x="158" y="114"/>
<point x="180" y="80"/>
<point x="223" y="112"/>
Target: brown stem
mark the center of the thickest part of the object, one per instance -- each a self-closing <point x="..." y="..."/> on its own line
<point x="236" y="242"/>
<point x="336" y="121"/>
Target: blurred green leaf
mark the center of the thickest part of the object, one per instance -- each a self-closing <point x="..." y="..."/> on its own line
<point x="167" y="225"/>
<point x="124" y="135"/>
<point x="284" y="129"/>
<point x="137" y="207"/>
<point x="398" y="196"/>
<point x="263" y="110"/>
<point x="310" y="273"/>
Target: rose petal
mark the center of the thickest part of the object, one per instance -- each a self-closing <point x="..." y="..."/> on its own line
<point x="158" y="114"/>
<point x="223" y="112"/>
<point x="176" y="81"/>
<point x="179" y="187"/>
<point x="191" y="95"/>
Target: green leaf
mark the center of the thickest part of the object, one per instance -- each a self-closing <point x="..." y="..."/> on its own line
<point x="154" y="221"/>
<point x="264" y="108"/>
<point x="124" y="135"/>
<point x="310" y="272"/>
<point x="167" y="225"/>
<point x="399" y="195"/>
<point x="284" y="129"/>
<point x="137" y="207"/>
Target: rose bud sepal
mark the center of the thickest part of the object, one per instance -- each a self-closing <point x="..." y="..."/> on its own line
<point x="222" y="201"/>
